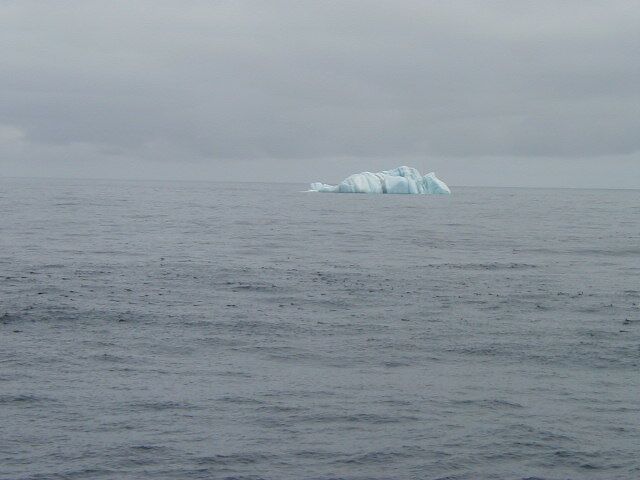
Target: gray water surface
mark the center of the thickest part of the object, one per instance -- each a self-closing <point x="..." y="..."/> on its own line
<point x="199" y="330"/>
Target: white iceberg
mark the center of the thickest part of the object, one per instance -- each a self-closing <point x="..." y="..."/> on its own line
<point x="399" y="180"/>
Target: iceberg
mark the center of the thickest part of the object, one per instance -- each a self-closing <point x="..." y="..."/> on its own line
<point x="398" y="180"/>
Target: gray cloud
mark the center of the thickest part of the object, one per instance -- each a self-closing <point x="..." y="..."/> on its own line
<point x="316" y="88"/>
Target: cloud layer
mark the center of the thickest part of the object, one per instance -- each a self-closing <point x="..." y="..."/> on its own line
<point x="186" y="89"/>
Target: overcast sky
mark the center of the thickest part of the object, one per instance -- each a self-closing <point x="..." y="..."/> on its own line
<point x="485" y="93"/>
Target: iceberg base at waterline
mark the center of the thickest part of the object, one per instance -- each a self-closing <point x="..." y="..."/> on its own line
<point x="401" y="180"/>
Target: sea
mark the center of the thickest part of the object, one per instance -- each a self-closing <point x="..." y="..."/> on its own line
<point x="195" y="330"/>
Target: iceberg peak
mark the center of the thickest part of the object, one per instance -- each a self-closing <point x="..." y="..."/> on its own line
<point x="407" y="180"/>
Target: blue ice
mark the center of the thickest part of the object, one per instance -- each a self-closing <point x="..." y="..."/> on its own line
<point x="398" y="180"/>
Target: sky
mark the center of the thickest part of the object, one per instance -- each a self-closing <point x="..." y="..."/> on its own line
<point x="488" y="93"/>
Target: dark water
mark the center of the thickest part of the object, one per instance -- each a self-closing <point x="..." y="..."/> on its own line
<point x="195" y="330"/>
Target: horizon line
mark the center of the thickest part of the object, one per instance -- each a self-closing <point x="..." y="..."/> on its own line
<point x="169" y="180"/>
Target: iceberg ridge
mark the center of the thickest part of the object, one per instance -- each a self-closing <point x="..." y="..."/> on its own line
<point x="401" y="180"/>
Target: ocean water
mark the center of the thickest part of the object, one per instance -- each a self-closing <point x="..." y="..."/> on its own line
<point x="155" y="330"/>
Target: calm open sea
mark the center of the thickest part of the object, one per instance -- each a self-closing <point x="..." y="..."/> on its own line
<point x="156" y="330"/>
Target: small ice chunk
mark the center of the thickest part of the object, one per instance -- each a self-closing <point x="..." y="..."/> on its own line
<point x="323" y="187"/>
